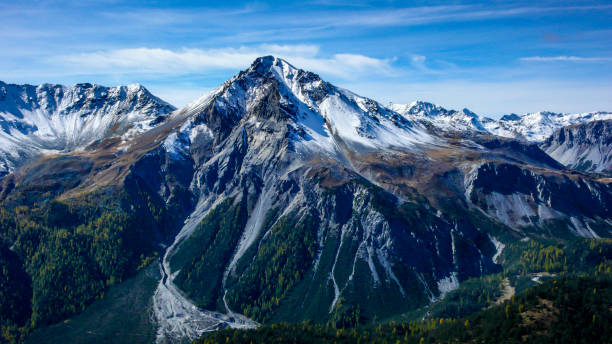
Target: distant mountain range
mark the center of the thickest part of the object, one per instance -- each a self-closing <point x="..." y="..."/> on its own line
<point x="535" y="127"/>
<point x="280" y="197"/>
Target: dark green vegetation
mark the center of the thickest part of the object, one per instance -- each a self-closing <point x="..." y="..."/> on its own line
<point x="121" y="316"/>
<point x="570" y="309"/>
<point x="65" y="253"/>
<point x="280" y="264"/>
<point x="203" y="257"/>
<point x="15" y="291"/>
<point x="574" y="301"/>
<point x="567" y="256"/>
<point x="471" y="296"/>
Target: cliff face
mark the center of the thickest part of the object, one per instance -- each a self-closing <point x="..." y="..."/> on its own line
<point x="586" y="146"/>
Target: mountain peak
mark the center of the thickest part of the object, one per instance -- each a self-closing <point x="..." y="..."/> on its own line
<point x="418" y="107"/>
<point x="51" y="117"/>
<point x="510" y="117"/>
<point x="469" y="112"/>
<point x="265" y="64"/>
<point x="137" y="87"/>
<point x="319" y="114"/>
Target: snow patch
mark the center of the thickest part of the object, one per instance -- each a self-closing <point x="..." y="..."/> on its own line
<point x="499" y="248"/>
<point x="448" y="284"/>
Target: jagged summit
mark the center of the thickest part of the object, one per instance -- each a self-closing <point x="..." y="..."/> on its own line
<point x="510" y="117"/>
<point x="266" y="63"/>
<point x="58" y="118"/>
<point x="438" y="117"/>
<point x="323" y="118"/>
<point x="534" y="127"/>
<point x="538" y="126"/>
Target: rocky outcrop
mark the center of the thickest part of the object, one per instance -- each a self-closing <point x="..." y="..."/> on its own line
<point x="586" y="147"/>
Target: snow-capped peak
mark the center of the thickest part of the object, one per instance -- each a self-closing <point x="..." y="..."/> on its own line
<point x="439" y="117"/>
<point x="323" y="117"/>
<point x="535" y="127"/>
<point x="538" y="126"/>
<point x="51" y="117"/>
<point x="419" y="108"/>
<point x="325" y="112"/>
<point x="510" y="117"/>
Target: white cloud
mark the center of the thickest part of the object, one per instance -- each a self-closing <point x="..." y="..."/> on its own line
<point x="422" y="15"/>
<point x="418" y="61"/>
<point x="189" y="60"/>
<point x="565" y="59"/>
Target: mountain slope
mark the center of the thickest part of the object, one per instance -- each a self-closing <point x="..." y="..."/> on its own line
<point x="35" y="120"/>
<point x="586" y="146"/>
<point x="563" y="310"/>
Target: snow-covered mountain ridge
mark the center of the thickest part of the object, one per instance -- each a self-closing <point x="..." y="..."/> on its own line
<point x="55" y="118"/>
<point x="544" y="128"/>
<point x="538" y="126"/>
<point x="439" y="117"/>
<point x="534" y="127"/>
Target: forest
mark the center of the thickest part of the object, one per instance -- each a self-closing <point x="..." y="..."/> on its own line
<point x="58" y="256"/>
<point x="575" y="309"/>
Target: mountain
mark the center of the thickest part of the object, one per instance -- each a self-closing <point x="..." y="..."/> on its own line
<point x="47" y="119"/>
<point x="586" y="146"/>
<point x="533" y="127"/>
<point x="438" y="117"/>
<point x="574" y="140"/>
<point x="538" y="126"/>
<point x="335" y="204"/>
<point x="280" y="192"/>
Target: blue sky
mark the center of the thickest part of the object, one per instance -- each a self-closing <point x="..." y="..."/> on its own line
<point x="492" y="57"/>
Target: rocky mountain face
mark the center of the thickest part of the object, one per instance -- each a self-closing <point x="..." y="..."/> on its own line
<point x="287" y="193"/>
<point x="45" y="119"/>
<point x="586" y="146"/>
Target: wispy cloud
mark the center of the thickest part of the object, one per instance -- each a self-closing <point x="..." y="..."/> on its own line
<point x="414" y="16"/>
<point x="564" y="58"/>
<point x="188" y="60"/>
<point x="463" y="52"/>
